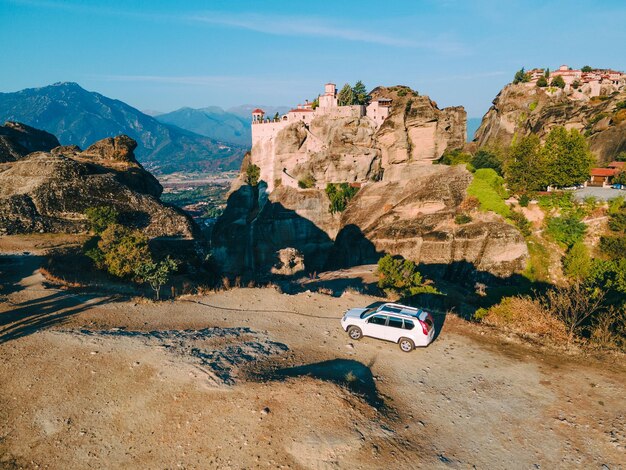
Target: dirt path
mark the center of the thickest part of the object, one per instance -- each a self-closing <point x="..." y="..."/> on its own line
<point x="209" y="382"/>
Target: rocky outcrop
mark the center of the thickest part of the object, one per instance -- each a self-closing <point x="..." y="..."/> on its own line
<point x="416" y="132"/>
<point x="413" y="218"/>
<point x="523" y="109"/>
<point x="405" y="205"/>
<point x="50" y="191"/>
<point x="343" y="145"/>
<point x="18" y="140"/>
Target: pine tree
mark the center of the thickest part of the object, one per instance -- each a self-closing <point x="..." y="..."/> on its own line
<point x="345" y="96"/>
<point x="360" y="93"/>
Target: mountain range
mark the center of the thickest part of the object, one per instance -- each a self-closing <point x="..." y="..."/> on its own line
<point x="80" y="117"/>
<point x="231" y="125"/>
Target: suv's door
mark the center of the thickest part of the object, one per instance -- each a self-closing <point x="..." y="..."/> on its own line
<point x="375" y="326"/>
<point x="394" y="329"/>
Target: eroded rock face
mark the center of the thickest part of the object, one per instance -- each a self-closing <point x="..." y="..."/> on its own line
<point x="406" y="205"/>
<point x="348" y="147"/>
<point x="18" y="140"/>
<point x="524" y="108"/>
<point x="413" y="218"/>
<point x="50" y="191"/>
<point x="416" y="132"/>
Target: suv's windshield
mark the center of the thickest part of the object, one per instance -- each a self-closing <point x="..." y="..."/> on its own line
<point x="367" y="312"/>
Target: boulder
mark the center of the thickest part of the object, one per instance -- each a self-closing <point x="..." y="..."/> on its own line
<point x="50" y="192"/>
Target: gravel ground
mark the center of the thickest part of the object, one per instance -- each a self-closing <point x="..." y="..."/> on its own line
<point x="252" y="378"/>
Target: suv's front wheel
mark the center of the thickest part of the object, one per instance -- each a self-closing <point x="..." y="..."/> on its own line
<point x="406" y="344"/>
<point x="355" y="333"/>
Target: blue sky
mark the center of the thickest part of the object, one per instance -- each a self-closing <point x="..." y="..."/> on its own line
<point x="163" y="55"/>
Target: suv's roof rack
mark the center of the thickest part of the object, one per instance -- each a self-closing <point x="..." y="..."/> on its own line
<point x="403" y="309"/>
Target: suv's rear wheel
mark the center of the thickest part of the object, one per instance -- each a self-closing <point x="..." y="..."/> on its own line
<point x="355" y="333"/>
<point x="406" y="344"/>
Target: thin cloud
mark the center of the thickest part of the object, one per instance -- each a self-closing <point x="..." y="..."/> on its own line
<point x="293" y="26"/>
<point x="298" y="26"/>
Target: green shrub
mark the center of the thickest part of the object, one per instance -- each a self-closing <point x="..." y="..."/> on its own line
<point x="455" y="157"/>
<point x="485" y="159"/>
<point x="542" y="82"/>
<point x="307" y="182"/>
<point x="521" y="222"/>
<point x="339" y="195"/>
<point x="101" y="217"/>
<point x="123" y="250"/>
<point x="532" y="106"/>
<point x="524" y="200"/>
<point x="558" y="82"/>
<point x="253" y="173"/>
<point x="563" y="201"/>
<point x="402" y="277"/>
<point x="156" y="274"/>
<point x="567" y="229"/>
<point x="462" y="219"/>
<point x="577" y="262"/>
<point x="614" y="247"/>
<point x="487" y="187"/>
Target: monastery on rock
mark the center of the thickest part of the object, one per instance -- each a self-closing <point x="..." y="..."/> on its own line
<point x="265" y="127"/>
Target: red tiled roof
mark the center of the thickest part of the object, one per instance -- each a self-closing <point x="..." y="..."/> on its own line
<point x="603" y="172"/>
<point x="258" y="110"/>
<point x="301" y="110"/>
<point x="618" y="165"/>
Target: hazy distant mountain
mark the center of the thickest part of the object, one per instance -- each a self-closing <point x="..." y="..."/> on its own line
<point x="211" y="122"/>
<point x="152" y="112"/>
<point x="472" y="126"/>
<point x="80" y="117"/>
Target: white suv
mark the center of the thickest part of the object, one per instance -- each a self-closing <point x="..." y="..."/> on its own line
<point x="407" y="326"/>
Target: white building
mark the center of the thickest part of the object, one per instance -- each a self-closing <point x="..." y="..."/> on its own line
<point x="264" y="128"/>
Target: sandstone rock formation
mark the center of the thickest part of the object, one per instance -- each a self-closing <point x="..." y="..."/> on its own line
<point x="416" y="132"/>
<point x="406" y="205"/>
<point x="347" y="147"/>
<point x="50" y="191"/>
<point x="18" y="140"/>
<point x="413" y="218"/>
<point x="524" y="108"/>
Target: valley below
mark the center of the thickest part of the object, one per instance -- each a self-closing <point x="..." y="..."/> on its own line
<point x="255" y="378"/>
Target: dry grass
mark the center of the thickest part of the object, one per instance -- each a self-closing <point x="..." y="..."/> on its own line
<point x="57" y="279"/>
<point x="525" y="316"/>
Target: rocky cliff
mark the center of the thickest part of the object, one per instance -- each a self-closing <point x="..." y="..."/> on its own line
<point x="18" y="140"/>
<point x="405" y="205"/>
<point x="50" y="191"/>
<point x="525" y="108"/>
<point x="346" y="146"/>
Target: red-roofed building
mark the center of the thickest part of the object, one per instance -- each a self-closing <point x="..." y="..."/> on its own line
<point x="602" y="176"/>
<point x="617" y="165"/>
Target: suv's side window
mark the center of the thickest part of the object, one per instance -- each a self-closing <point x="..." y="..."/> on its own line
<point x="395" y="322"/>
<point x="408" y="325"/>
<point x="378" y="320"/>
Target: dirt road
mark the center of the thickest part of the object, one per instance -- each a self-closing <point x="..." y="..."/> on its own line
<point x="252" y="378"/>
